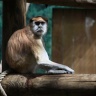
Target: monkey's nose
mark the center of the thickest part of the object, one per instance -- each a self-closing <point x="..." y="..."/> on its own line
<point x="39" y="27"/>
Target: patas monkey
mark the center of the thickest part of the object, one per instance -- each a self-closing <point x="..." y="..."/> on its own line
<point x="25" y="52"/>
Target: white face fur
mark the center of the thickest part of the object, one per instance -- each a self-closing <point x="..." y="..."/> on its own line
<point x="39" y="27"/>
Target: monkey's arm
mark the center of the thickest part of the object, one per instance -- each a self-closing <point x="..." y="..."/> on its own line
<point x="43" y="62"/>
<point x="52" y="67"/>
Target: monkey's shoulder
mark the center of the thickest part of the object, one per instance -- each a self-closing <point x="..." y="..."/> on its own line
<point x="19" y="36"/>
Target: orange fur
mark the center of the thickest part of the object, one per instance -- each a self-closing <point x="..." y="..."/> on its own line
<point x="20" y="52"/>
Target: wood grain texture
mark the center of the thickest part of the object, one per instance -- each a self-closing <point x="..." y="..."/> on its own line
<point x="74" y="40"/>
<point x="74" y="3"/>
<point x="50" y="85"/>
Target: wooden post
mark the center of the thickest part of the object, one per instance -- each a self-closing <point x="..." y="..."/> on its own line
<point x="50" y="85"/>
<point x="74" y="3"/>
<point x="13" y="19"/>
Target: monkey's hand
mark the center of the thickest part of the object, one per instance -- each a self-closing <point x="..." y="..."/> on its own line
<point x="63" y="69"/>
<point x="58" y="72"/>
<point x="59" y="68"/>
<point x="52" y="67"/>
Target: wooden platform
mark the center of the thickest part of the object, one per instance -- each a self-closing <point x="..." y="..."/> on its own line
<point x="50" y="85"/>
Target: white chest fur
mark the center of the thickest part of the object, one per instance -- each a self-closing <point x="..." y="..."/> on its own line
<point x="42" y="56"/>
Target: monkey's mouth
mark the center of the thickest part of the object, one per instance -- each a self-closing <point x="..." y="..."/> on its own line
<point x="39" y="31"/>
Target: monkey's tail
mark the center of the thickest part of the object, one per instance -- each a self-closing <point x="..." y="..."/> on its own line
<point x="2" y="75"/>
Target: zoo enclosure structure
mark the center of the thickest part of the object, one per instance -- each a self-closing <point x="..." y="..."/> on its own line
<point x="14" y="18"/>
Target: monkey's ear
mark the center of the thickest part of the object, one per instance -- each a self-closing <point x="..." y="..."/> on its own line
<point x="30" y="21"/>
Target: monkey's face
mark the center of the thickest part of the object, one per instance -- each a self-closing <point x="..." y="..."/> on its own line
<point x="39" y="26"/>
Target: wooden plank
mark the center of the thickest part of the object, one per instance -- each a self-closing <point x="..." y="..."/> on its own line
<point x="74" y="39"/>
<point x="50" y="85"/>
<point x="74" y="3"/>
<point x="13" y="19"/>
<point x="57" y="50"/>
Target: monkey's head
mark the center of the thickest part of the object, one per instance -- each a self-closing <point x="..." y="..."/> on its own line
<point x="39" y="25"/>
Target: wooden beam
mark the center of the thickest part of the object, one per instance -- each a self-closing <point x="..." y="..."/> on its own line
<point x="72" y="3"/>
<point x="13" y="19"/>
<point x="50" y="85"/>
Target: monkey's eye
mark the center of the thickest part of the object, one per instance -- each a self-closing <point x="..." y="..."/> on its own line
<point x="38" y="23"/>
